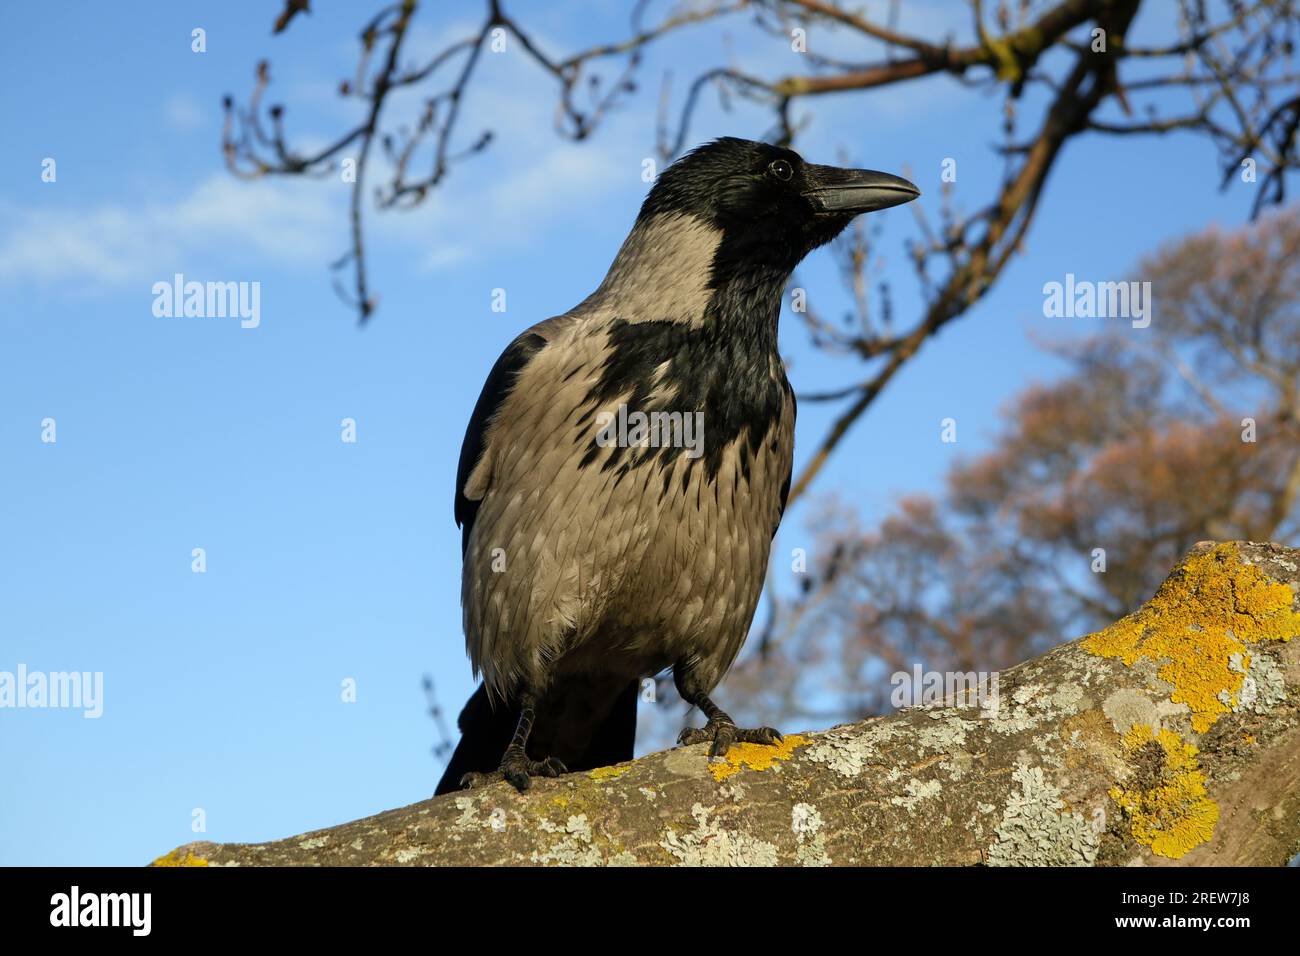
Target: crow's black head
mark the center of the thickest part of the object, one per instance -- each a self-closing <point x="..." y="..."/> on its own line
<point x="771" y="206"/>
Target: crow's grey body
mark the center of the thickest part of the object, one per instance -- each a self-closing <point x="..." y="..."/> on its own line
<point x="618" y="571"/>
<point x="590" y="565"/>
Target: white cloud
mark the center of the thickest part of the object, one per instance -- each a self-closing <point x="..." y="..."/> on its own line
<point x="482" y="207"/>
<point x="477" y="212"/>
<point x="505" y="198"/>
<point x="115" y="242"/>
<point x="444" y="257"/>
<point x="183" y="112"/>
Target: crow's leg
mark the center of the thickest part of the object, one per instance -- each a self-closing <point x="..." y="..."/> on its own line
<point x="516" y="767"/>
<point x="720" y="728"/>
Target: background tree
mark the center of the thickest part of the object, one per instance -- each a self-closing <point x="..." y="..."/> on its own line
<point x="1144" y="448"/>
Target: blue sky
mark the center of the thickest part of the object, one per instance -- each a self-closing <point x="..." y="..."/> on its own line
<point x="329" y="561"/>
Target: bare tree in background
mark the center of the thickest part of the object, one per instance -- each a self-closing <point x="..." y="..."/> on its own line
<point x="1152" y="442"/>
<point x="1233" y="61"/>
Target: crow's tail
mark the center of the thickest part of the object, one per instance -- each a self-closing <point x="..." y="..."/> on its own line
<point x="484" y="735"/>
<point x="584" y="726"/>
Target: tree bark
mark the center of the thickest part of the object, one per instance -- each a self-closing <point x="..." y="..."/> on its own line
<point x="1171" y="737"/>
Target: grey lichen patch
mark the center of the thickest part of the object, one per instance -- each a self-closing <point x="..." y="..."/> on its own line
<point x="1031" y="705"/>
<point x="1263" y="687"/>
<point x="1069" y="699"/>
<point x="849" y="753"/>
<point x="1126" y="707"/>
<point x="687" y="761"/>
<point x="575" y="846"/>
<point x="1046" y="745"/>
<point x="1035" y="832"/>
<point x="813" y="852"/>
<point x="733" y="792"/>
<point x="806" y="822"/>
<point x="471" y="819"/>
<point x="1011" y="714"/>
<point x="917" y="791"/>
<point x="1070" y="662"/>
<point x="805" y="818"/>
<point x="711" y="844"/>
<point x="947" y="732"/>
<point x="957" y="765"/>
<point x="468" y="812"/>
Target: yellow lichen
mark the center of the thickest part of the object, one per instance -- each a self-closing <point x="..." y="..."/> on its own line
<point x="755" y="756"/>
<point x="1210" y="609"/>
<point x="1165" y="800"/>
<point x="174" y="858"/>
<point x="609" y="773"/>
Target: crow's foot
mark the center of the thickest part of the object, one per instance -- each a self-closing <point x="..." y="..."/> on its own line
<point x="724" y="733"/>
<point x="517" y="770"/>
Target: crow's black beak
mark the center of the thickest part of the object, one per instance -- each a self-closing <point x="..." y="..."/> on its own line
<point x="853" y="191"/>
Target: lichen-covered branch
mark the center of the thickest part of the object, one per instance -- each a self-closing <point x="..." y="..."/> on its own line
<point x="1172" y="736"/>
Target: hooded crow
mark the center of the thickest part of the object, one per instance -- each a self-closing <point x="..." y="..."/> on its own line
<point x="628" y="462"/>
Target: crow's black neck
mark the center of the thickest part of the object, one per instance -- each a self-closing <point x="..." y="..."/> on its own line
<point x="745" y="306"/>
<point x="720" y="281"/>
<point x="721" y="362"/>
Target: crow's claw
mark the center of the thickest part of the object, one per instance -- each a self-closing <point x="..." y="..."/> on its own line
<point x="724" y="733"/>
<point x="517" y="770"/>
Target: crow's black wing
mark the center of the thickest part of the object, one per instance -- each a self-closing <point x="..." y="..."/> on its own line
<point x="785" y="485"/>
<point x="487" y="730"/>
<point x="499" y="383"/>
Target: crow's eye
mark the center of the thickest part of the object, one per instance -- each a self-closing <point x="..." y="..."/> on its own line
<point x="781" y="170"/>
